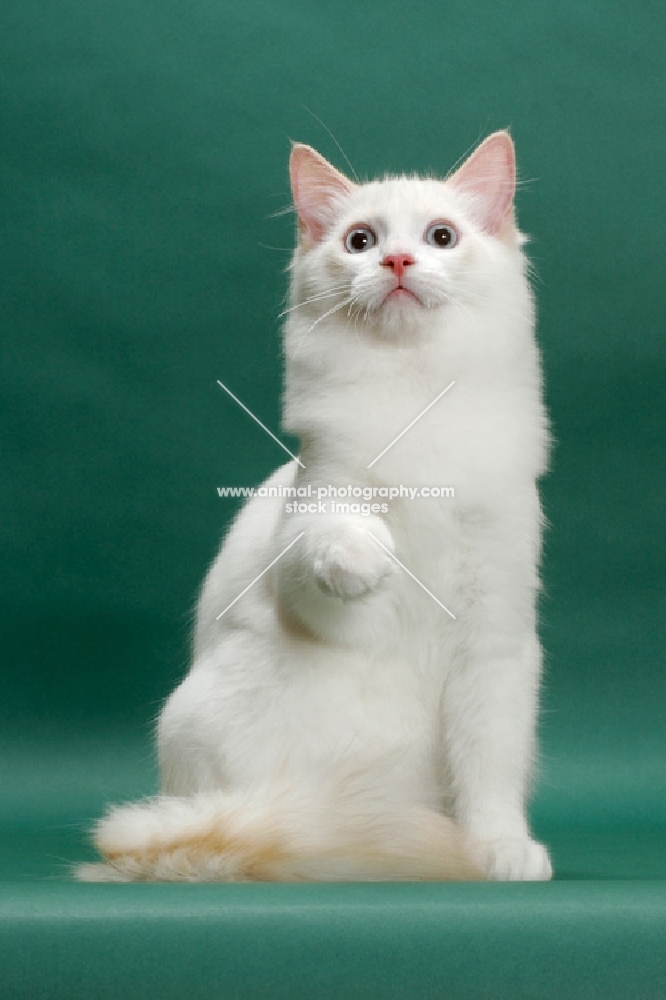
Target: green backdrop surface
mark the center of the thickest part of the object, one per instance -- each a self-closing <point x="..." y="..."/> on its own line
<point x="144" y="172"/>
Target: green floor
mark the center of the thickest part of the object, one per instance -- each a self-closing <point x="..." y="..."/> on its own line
<point x="580" y="940"/>
<point x="597" y="931"/>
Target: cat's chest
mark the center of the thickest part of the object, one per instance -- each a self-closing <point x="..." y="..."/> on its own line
<point x="465" y="440"/>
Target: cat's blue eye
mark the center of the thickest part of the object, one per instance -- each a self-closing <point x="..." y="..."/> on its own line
<point x="359" y="239"/>
<point x="440" y="234"/>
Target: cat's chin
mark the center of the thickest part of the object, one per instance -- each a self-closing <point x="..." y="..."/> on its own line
<point x="403" y="314"/>
<point x="409" y="324"/>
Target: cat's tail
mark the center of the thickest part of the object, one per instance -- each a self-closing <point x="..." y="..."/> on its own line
<point x="225" y="837"/>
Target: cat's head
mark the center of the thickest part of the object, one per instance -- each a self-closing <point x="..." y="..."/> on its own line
<point x="393" y="250"/>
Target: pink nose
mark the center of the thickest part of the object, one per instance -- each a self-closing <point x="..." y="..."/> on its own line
<point x="398" y="262"/>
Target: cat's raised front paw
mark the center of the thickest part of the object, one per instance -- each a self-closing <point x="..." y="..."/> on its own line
<point x="348" y="562"/>
<point x="512" y="859"/>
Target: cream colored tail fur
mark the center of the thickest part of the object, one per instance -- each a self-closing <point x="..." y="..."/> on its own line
<point x="223" y="837"/>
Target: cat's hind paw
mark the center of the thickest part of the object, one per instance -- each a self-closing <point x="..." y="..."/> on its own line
<point x="512" y="859"/>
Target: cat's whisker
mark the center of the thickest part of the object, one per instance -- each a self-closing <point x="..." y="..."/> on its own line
<point x="352" y="304"/>
<point x="330" y="312"/>
<point x="353" y="313"/>
<point x="533" y="273"/>
<point x="313" y="298"/>
<point x="457" y="305"/>
<point x="267" y="246"/>
<point x="324" y="126"/>
<point x="357" y="318"/>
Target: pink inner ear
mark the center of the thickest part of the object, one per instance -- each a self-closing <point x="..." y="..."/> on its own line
<point x="316" y="187"/>
<point x="490" y="175"/>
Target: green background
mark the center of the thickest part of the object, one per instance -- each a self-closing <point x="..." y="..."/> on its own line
<point x="144" y="166"/>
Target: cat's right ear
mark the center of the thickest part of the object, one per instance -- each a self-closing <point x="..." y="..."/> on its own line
<point x="317" y="188"/>
<point x="489" y="175"/>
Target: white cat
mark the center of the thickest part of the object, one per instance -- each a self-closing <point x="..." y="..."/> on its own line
<point x="338" y="722"/>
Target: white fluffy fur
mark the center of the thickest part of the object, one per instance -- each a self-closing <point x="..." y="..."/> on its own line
<point x="336" y="715"/>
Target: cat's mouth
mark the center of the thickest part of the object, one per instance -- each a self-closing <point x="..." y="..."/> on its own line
<point x="402" y="295"/>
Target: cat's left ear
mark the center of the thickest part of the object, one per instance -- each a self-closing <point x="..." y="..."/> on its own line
<point x="317" y="188"/>
<point x="489" y="175"/>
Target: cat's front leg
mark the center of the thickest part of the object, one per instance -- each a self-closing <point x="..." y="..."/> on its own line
<point x="340" y="557"/>
<point x="512" y="859"/>
<point x="489" y="721"/>
<point x="346" y="560"/>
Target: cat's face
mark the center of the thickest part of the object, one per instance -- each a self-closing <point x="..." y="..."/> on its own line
<point x="389" y="251"/>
